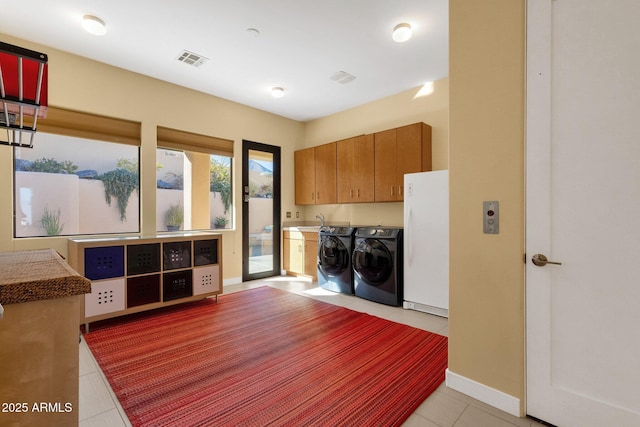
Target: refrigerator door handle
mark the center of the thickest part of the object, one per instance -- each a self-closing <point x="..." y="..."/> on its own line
<point x="409" y="236"/>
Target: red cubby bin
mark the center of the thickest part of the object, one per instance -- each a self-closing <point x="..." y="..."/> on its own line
<point x="143" y="290"/>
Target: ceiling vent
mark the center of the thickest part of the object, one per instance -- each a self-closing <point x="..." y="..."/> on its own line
<point x="192" y="59"/>
<point x="342" y="77"/>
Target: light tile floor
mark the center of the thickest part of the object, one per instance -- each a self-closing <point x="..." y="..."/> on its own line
<point x="444" y="408"/>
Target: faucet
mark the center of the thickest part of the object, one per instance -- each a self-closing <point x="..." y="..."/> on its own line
<point x="321" y="218"/>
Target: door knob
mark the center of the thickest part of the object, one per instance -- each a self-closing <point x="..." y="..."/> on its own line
<point x="541" y="260"/>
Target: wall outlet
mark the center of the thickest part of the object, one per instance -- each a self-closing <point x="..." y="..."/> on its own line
<point x="288" y="214"/>
<point x="297" y="214"/>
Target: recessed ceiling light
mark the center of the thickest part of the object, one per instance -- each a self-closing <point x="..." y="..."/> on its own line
<point x="277" y="92"/>
<point x="401" y="32"/>
<point x="94" y="25"/>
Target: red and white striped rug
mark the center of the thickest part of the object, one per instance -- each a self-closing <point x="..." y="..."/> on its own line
<point x="266" y="357"/>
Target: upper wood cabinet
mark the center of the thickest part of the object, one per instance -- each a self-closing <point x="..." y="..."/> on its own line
<point x="365" y="168"/>
<point x="305" y="176"/>
<point x="355" y="169"/>
<point x="326" y="173"/>
<point x="315" y="175"/>
<point x="399" y="151"/>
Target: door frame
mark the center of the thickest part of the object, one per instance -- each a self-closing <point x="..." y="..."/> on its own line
<point x="277" y="228"/>
<point x="537" y="184"/>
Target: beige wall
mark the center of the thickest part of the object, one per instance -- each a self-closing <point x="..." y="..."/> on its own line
<point x="80" y="84"/>
<point x="486" y="152"/>
<point x="479" y="138"/>
<point x="397" y="110"/>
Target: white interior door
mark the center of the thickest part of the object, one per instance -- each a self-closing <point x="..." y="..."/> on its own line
<point x="583" y="210"/>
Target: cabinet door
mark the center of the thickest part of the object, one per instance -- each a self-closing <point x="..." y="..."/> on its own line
<point x="409" y="154"/>
<point x="305" y="183"/>
<point x="297" y="256"/>
<point x="385" y="166"/>
<point x="311" y="254"/>
<point x="286" y="253"/>
<point x="325" y="170"/>
<point x="346" y="168"/>
<point x="427" y="154"/>
<point x="292" y="251"/>
<point x="363" y="169"/>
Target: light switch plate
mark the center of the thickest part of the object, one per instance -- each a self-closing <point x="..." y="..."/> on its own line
<point x="491" y="217"/>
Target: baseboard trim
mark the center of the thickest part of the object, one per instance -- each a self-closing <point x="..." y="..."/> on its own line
<point x="231" y="281"/>
<point x="483" y="393"/>
<point x="438" y="311"/>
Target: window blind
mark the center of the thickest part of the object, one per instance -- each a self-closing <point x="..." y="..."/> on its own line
<point x="90" y="126"/>
<point x="189" y="141"/>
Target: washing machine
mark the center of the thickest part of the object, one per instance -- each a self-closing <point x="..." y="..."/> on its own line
<point x="377" y="264"/>
<point x="335" y="246"/>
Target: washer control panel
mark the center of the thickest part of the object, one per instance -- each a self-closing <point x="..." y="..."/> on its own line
<point x="491" y="217"/>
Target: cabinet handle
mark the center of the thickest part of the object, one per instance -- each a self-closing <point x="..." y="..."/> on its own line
<point x="399" y="190"/>
<point x="318" y="195"/>
<point x="358" y="193"/>
<point x="313" y="196"/>
<point x="351" y="194"/>
<point x="392" y="190"/>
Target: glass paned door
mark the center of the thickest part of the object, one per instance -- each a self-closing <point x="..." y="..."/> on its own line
<point x="260" y="210"/>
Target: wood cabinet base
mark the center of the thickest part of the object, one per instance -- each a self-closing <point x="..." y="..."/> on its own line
<point x="39" y="357"/>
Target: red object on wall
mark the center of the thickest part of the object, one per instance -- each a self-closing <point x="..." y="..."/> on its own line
<point x="23" y="93"/>
<point x="24" y="84"/>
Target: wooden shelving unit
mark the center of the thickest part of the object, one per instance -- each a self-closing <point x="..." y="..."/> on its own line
<point x="133" y="274"/>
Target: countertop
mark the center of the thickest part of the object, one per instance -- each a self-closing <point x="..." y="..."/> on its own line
<point x="36" y="275"/>
<point x="309" y="226"/>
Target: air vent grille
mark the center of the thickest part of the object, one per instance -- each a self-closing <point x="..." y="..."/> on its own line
<point x="342" y="77"/>
<point x="192" y="59"/>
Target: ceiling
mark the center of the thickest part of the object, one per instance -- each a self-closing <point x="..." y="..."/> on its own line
<point x="300" y="46"/>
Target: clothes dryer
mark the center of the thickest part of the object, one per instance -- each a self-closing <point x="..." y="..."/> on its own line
<point x="335" y="246"/>
<point x="378" y="265"/>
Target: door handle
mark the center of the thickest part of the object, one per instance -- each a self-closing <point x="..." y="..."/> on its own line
<point x="541" y="260"/>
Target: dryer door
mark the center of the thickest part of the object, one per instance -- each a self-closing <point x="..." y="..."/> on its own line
<point x="372" y="262"/>
<point x="333" y="256"/>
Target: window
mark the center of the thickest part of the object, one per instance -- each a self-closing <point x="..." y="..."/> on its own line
<point x="61" y="187"/>
<point x="194" y="190"/>
<point x="193" y="181"/>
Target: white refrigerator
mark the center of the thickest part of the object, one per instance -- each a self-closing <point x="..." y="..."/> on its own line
<point x="426" y="242"/>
